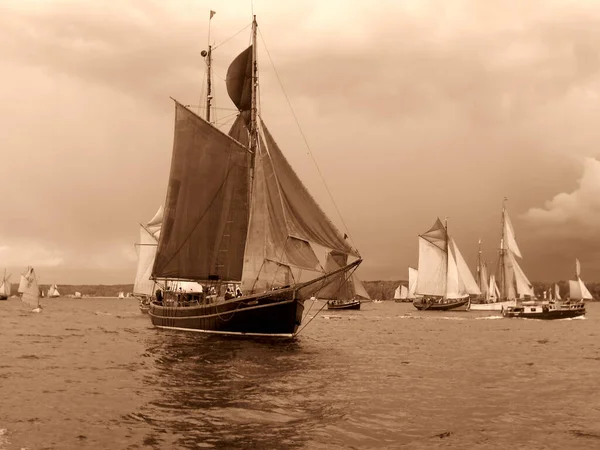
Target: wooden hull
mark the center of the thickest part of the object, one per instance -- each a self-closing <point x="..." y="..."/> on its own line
<point x="275" y="313"/>
<point x="437" y="305"/>
<point x="541" y="313"/>
<point x="347" y="305"/>
<point x="3" y="297"/>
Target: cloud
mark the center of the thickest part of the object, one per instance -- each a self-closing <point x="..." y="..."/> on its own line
<point x="413" y="110"/>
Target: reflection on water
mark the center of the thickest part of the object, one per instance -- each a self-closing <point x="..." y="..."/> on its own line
<point x="232" y="393"/>
<point x="94" y="374"/>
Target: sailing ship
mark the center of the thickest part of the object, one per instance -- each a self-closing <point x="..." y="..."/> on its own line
<point x="444" y="280"/>
<point x="402" y="294"/>
<point x="31" y="290"/>
<point x="236" y="212"/>
<point x="5" y="287"/>
<point x="573" y="306"/>
<point x="77" y="295"/>
<point x="513" y="283"/>
<point x="53" y="291"/>
<point x="346" y="293"/>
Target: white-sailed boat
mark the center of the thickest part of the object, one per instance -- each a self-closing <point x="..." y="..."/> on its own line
<point x="53" y="291"/>
<point x="31" y="290"/>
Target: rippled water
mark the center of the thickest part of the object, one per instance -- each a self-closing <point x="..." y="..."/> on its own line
<point x="94" y="374"/>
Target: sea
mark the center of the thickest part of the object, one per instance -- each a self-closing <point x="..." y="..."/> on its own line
<point x="93" y="373"/>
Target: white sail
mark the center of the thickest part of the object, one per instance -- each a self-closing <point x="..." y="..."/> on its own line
<point x="156" y="221"/>
<point x="143" y="285"/>
<point x="493" y="291"/>
<point x="31" y="290"/>
<point x="5" y="287"/>
<point x="578" y="290"/>
<point x="77" y="294"/>
<point x="22" y="284"/>
<point x="432" y="269"/>
<point x="413" y="275"/>
<point x="121" y="295"/>
<point x="556" y="292"/>
<point x="454" y="287"/>
<point x="53" y="291"/>
<point x="397" y="293"/>
<point x="509" y="236"/>
<point x="465" y="275"/>
<point x="522" y="285"/>
<point x="401" y="293"/>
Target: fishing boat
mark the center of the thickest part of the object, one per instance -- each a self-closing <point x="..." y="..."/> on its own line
<point x="53" y="291"/>
<point x="236" y="212"/>
<point x="31" y="291"/>
<point x="445" y="281"/>
<point x="512" y="281"/>
<point x="5" y="287"/>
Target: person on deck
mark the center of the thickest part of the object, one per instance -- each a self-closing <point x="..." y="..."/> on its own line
<point x="238" y="292"/>
<point x="228" y="294"/>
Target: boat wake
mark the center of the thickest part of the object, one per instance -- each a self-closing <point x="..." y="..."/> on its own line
<point x="3" y="440"/>
<point x="489" y="318"/>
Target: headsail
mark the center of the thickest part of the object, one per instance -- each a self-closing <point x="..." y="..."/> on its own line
<point x="5" y="287"/>
<point x="577" y="289"/>
<point x="206" y="212"/>
<point x="467" y="282"/>
<point x="413" y="275"/>
<point x="146" y="253"/>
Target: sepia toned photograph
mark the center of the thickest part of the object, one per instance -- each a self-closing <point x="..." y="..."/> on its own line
<point x="300" y="225"/>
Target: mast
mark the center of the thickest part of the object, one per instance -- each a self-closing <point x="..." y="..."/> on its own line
<point x="502" y="262"/>
<point x="447" y="253"/>
<point x="208" y="82"/>
<point x="254" y="99"/>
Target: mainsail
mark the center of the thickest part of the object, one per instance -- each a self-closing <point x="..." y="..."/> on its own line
<point x="31" y="290"/>
<point x="235" y="208"/>
<point x="5" y="288"/>
<point x="443" y="271"/>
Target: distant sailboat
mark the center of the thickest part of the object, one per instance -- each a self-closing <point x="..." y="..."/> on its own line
<point x="236" y="212"/>
<point x="121" y="295"/>
<point x="444" y="279"/>
<point x="411" y="295"/>
<point x="31" y="290"/>
<point x="5" y="288"/>
<point x="401" y="294"/>
<point x="53" y="291"/>
<point x="77" y="295"/>
<point x="577" y="289"/>
<point x="345" y="293"/>
<point x="513" y="283"/>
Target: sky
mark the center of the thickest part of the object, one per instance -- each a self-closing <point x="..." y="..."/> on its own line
<point x="412" y="110"/>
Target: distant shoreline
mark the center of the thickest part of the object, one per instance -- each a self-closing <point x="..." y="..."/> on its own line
<point x="378" y="289"/>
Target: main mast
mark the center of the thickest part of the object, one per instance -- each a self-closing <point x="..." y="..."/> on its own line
<point x="447" y="254"/>
<point x="254" y="98"/>
<point x="208" y="82"/>
<point x="502" y="262"/>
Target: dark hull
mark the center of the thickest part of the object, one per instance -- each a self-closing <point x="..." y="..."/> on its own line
<point x="436" y="306"/>
<point x="276" y="313"/>
<point x="348" y="305"/>
<point x="546" y="315"/>
<point x="3" y="297"/>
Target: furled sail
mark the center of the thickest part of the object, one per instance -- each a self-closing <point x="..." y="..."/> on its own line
<point x="433" y="266"/>
<point x="146" y="253"/>
<point x="206" y="211"/>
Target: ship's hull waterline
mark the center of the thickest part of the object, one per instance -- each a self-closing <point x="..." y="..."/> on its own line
<point x="277" y="313"/>
<point x="458" y="305"/>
